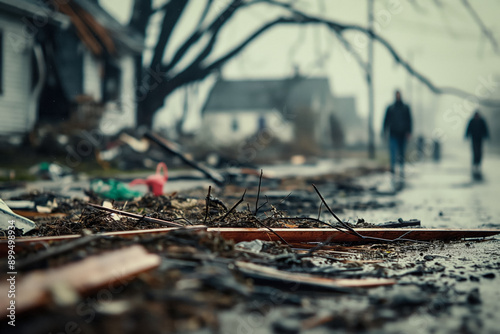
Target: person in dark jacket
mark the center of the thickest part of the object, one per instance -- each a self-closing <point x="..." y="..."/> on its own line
<point x="398" y="125"/>
<point x="477" y="130"/>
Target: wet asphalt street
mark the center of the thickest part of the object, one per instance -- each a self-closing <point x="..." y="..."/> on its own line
<point x="442" y="194"/>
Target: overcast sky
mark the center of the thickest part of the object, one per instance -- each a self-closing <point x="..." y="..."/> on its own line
<point x="443" y="42"/>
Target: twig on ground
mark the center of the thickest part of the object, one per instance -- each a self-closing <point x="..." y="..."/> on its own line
<point x="333" y="213"/>
<point x="270" y="229"/>
<point x="207" y="204"/>
<point x="284" y="198"/>
<point x="350" y="229"/>
<point x="267" y="201"/>
<point x="235" y="205"/>
<point x="320" y="245"/>
<point x="305" y="218"/>
<point x="136" y="216"/>
<point x="258" y="194"/>
<point x="319" y="210"/>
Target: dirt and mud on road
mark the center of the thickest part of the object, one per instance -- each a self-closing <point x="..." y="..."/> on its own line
<point x="190" y="280"/>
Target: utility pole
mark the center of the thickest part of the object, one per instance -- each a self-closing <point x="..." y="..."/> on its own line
<point x="369" y="81"/>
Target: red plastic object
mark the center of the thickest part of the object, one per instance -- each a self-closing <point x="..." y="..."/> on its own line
<point x="156" y="181"/>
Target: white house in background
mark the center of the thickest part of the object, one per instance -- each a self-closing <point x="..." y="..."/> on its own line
<point x="238" y="109"/>
<point x="67" y="64"/>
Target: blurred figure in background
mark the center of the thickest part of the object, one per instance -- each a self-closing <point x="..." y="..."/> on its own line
<point x="477" y="130"/>
<point x="398" y="125"/>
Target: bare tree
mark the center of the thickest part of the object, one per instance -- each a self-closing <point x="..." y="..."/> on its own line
<point x="158" y="79"/>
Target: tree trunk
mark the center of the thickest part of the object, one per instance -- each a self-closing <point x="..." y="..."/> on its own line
<point x="148" y="103"/>
<point x="139" y="20"/>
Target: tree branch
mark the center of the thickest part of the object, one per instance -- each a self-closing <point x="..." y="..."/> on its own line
<point x="418" y="8"/>
<point x="218" y="63"/>
<point x="141" y="13"/>
<point x="338" y="28"/>
<point x="213" y="28"/>
<point x="204" y="14"/>
<point x="196" y="71"/>
<point x="353" y="52"/>
<point x="173" y="12"/>
<point x="484" y="29"/>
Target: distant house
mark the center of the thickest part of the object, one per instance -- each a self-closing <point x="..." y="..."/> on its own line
<point x="63" y="61"/>
<point x="288" y="108"/>
<point x="355" y="128"/>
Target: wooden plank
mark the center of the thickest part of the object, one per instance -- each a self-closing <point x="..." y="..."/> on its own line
<point x="23" y="242"/>
<point x="298" y="235"/>
<point x="272" y="274"/>
<point x="34" y="214"/>
<point x="106" y="270"/>
<point x="291" y="235"/>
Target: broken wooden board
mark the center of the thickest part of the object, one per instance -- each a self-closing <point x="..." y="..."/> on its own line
<point x="107" y="270"/>
<point x="291" y="235"/>
<point x="34" y="214"/>
<point x="42" y="242"/>
<point x="308" y="281"/>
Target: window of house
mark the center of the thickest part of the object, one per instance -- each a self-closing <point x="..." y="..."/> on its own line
<point x="235" y="125"/>
<point x="262" y="123"/>
<point x="112" y="82"/>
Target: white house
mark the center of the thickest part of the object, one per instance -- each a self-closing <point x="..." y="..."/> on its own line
<point x="18" y="92"/>
<point x="238" y="109"/>
<point x="67" y="62"/>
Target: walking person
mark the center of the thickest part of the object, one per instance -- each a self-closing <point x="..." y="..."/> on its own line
<point x="398" y="126"/>
<point x="477" y="130"/>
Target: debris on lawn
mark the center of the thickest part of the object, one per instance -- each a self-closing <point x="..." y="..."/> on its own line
<point x="60" y="285"/>
<point x="206" y="259"/>
<point x="170" y="148"/>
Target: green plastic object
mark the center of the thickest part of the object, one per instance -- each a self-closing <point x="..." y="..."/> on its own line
<point x="113" y="189"/>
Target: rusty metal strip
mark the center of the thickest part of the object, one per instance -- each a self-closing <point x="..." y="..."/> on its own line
<point x="291" y="235"/>
<point x="301" y="235"/>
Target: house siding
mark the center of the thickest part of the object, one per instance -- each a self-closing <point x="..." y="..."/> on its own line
<point x="92" y="81"/>
<point x="16" y="78"/>
<point x="121" y="114"/>
<point x="127" y="100"/>
<point x="222" y="131"/>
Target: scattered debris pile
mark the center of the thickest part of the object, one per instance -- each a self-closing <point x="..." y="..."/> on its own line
<point x="242" y="258"/>
<point x="191" y="281"/>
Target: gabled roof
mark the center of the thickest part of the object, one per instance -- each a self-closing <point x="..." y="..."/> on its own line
<point x="237" y="95"/>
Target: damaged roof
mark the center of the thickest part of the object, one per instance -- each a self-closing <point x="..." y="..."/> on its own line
<point x="125" y="35"/>
<point x="90" y="20"/>
<point x="31" y="8"/>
